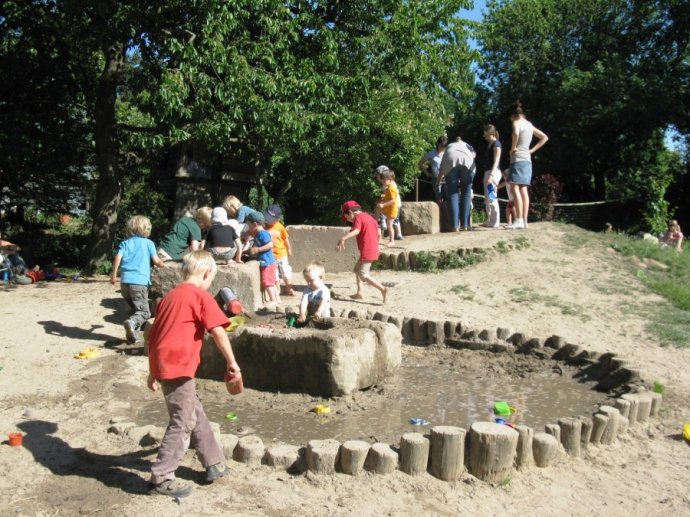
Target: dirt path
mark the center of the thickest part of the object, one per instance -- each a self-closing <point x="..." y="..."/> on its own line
<point x="71" y="465"/>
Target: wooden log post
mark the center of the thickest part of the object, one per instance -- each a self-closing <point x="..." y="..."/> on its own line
<point x="381" y="459"/>
<point x="284" y="457"/>
<point x="228" y="442"/>
<point x="644" y="406"/>
<point x="414" y="453"/>
<point x="525" y="456"/>
<point x="554" y="430"/>
<point x="571" y="435"/>
<point x="586" y="433"/>
<point x="447" y="452"/>
<point x="656" y="403"/>
<point x="353" y="454"/>
<point x="623" y="424"/>
<point x="623" y="406"/>
<point x="492" y="450"/>
<point x="545" y="448"/>
<point x="323" y="456"/>
<point x="250" y="450"/>
<point x="611" y="430"/>
<point x="599" y="423"/>
<point x="632" y="398"/>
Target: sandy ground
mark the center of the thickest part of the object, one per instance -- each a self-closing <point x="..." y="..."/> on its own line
<point x="71" y="465"/>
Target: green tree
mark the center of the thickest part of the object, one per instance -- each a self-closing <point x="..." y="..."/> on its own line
<point x="317" y="93"/>
<point x="313" y="94"/>
<point x="45" y="94"/>
<point x="604" y="79"/>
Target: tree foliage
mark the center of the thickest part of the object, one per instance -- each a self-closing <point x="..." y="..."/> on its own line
<point x="318" y="93"/>
<point x="604" y="79"/>
<point x="312" y="93"/>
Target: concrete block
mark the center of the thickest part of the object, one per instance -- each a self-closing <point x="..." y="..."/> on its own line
<point x="419" y="217"/>
<point x="337" y="358"/>
<point x="317" y="243"/>
<point x="244" y="279"/>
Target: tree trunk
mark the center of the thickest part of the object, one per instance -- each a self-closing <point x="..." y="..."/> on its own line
<point x="109" y="186"/>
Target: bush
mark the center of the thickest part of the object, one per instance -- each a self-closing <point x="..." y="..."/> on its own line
<point x="545" y="192"/>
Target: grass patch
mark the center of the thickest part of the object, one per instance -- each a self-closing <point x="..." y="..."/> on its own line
<point x="521" y="243"/>
<point x="427" y="262"/>
<point x="501" y="247"/>
<point x="527" y="295"/>
<point x="464" y="291"/>
<point x="661" y="270"/>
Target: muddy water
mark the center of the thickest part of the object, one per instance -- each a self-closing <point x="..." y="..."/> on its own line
<point x="440" y="392"/>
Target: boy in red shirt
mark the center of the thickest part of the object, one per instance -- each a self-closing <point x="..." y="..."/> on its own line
<point x="182" y="318"/>
<point x="366" y="230"/>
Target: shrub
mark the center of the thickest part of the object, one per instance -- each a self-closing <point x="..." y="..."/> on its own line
<point x="545" y="192"/>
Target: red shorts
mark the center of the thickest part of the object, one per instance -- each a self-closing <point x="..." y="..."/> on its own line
<point x="268" y="276"/>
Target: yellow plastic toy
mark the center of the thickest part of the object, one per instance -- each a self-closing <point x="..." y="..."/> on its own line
<point x="235" y="323"/>
<point x="322" y="409"/>
<point x="686" y="432"/>
<point x="88" y="353"/>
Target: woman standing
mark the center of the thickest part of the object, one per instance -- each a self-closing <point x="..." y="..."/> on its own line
<point x="492" y="176"/>
<point x="520" y="175"/>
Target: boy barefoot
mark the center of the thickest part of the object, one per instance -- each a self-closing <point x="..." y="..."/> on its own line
<point x="365" y="229"/>
<point x="183" y="315"/>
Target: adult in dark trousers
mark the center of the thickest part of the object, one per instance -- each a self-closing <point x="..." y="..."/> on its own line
<point x="458" y="169"/>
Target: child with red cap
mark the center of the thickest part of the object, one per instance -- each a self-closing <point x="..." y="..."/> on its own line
<point x="366" y="230"/>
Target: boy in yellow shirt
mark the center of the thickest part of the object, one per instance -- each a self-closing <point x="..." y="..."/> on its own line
<point x="281" y="246"/>
<point x="389" y="205"/>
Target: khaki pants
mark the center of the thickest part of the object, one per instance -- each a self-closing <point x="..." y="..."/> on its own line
<point x="187" y="421"/>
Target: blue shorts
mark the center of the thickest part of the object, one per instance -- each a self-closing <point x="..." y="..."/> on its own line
<point x="520" y="173"/>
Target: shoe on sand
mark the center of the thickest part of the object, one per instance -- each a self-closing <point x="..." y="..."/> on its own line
<point x="172" y="488"/>
<point x="130" y="332"/>
<point x="216" y="471"/>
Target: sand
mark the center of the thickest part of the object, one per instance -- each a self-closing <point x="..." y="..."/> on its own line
<point x="70" y="464"/>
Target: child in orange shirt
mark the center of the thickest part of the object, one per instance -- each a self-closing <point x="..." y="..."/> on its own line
<point x="389" y="204"/>
<point x="281" y="247"/>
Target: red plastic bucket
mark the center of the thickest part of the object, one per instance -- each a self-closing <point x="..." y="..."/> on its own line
<point x="15" y="439"/>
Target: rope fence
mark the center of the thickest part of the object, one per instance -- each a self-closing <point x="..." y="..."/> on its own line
<point x="591" y="215"/>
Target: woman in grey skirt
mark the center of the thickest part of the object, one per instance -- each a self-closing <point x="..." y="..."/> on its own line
<point x="520" y="175"/>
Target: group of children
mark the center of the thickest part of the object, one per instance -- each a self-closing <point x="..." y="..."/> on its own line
<point x="233" y="232"/>
<point x="188" y="311"/>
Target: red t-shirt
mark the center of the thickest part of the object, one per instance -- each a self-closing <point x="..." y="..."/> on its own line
<point x="182" y="317"/>
<point x="368" y="237"/>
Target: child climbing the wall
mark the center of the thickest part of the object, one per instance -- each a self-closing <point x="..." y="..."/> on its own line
<point x="316" y="298"/>
<point x="282" y="248"/>
<point x="135" y="255"/>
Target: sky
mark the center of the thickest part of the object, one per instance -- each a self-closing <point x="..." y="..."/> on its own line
<point x="474" y="14"/>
